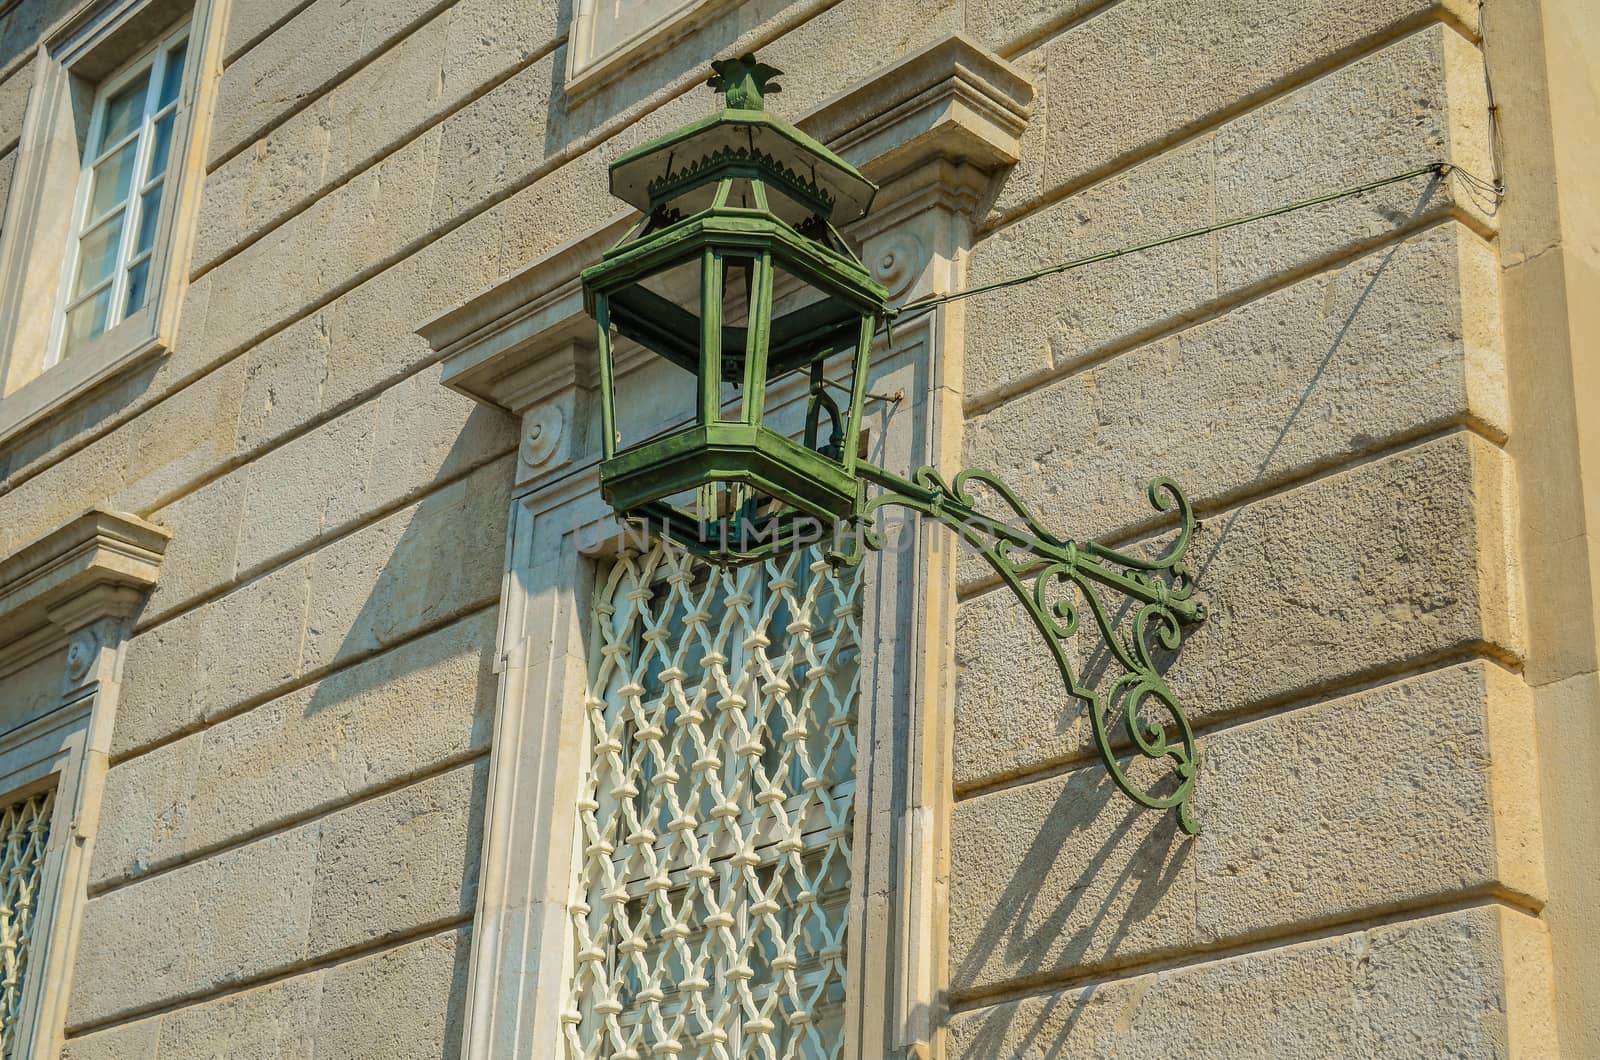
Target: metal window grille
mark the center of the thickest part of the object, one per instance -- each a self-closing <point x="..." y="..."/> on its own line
<point x="26" y="827"/>
<point x="712" y="870"/>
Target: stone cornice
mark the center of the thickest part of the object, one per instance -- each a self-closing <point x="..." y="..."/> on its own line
<point x="934" y="122"/>
<point x="98" y="565"/>
<point x="952" y="100"/>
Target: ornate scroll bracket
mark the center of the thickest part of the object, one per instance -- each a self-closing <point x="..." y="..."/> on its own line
<point x="1057" y="580"/>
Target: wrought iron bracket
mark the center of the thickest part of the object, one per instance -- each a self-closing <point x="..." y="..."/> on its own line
<point x="1057" y="580"/>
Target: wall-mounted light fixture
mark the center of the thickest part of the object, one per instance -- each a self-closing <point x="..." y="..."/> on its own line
<point x="738" y="281"/>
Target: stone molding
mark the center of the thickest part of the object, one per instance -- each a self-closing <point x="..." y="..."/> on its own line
<point x="934" y="128"/>
<point x="67" y="600"/>
<point x="951" y="100"/>
<point x="97" y="566"/>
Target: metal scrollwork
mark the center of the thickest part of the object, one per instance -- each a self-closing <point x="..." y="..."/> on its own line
<point x="1057" y="581"/>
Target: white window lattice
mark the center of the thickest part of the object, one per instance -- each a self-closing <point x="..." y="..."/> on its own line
<point x="26" y="828"/>
<point x="712" y="869"/>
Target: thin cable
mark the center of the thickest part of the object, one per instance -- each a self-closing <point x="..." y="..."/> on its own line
<point x="1495" y="151"/>
<point x="1439" y="169"/>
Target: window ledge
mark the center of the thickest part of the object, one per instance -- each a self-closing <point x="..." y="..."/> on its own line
<point x="587" y="76"/>
<point x="120" y="350"/>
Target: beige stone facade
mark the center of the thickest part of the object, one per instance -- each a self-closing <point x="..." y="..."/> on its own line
<point x="311" y="662"/>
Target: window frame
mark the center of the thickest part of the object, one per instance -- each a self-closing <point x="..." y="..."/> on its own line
<point x="49" y="753"/>
<point x="154" y="59"/>
<point x="71" y="64"/>
<point x="67" y="603"/>
<point x="589" y="70"/>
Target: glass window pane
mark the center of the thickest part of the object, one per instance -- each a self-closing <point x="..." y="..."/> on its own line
<point x="162" y="146"/>
<point x="123" y="111"/>
<point x="112" y="179"/>
<point x="138" y="287"/>
<point x="172" y="78"/>
<point x="149" y="216"/>
<point x="86" y="321"/>
<point x="97" y="254"/>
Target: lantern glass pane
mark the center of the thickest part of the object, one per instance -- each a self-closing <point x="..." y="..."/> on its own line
<point x="657" y="361"/>
<point x="807" y="322"/>
<point x="691" y="201"/>
<point x="738" y="280"/>
<point x="810" y="326"/>
<point x="742" y="194"/>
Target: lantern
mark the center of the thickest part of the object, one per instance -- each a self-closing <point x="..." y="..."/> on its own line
<point x="743" y="322"/>
<point x="748" y="323"/>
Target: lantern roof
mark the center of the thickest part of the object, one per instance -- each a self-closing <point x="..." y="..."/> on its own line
<point x="743" y="137"/>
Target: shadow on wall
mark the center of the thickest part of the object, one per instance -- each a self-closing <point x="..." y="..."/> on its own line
<point x="23" y="25"/>
<point x="1399" y="220"/>
<point x="413" y="572"/>
<point x="1017" y="928"/>
<point x="1022" y="932"/>
<point x="382" y="589"/>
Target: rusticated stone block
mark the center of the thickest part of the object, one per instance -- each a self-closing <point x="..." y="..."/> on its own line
<point x="1413" y="102"/>
<point x="219" y="921"/>
<point x="1404" y="340"/>
<point x="14" y="92"/>
<point x="218" y="655"/>
<point x="395" y="864"/>
<point x="247" y="23"/>
<point x="312" y="50"/>
<point x="1412" y="990"/>
<point x="1388" y="796"/>
<point x="419" y="567"/>
<point x="396" y="715"/>
<point x="1396" y="561"/>
<point x="406" y="1003"/>
<point x="132" y="469"/>
<point x="1417" y="101"/>
<point x="1143" y="73"/>
<point x="399" y="1003"/>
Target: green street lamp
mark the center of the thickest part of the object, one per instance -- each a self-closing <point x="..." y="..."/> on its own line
<point x="738" y="278"/>
<point x="736" y="284"/>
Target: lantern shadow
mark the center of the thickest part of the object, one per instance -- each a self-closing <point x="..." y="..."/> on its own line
<point x="1096" y="913"/>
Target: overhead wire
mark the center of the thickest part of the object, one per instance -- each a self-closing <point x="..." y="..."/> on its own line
<point x="1440" y="170"/>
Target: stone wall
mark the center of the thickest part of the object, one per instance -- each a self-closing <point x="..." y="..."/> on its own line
<point x="289" y="841"/>
<point x="1331" y="387"/>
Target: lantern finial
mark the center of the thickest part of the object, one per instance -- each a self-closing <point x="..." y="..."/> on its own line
<point x="744" y="82"/>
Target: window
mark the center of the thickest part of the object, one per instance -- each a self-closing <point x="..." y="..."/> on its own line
<point x="611" y="37"/>
<point x="120" y="194"/>
<point x="715" y="819"/>
<point x="94" y="256"/>
<point x="25" y="833"/>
